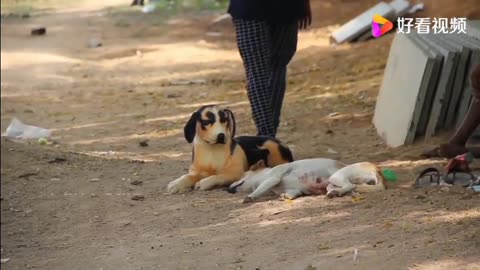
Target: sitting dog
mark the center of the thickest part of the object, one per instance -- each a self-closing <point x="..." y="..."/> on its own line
<point x="310" y="177"/>
<point x="218" y="158"/>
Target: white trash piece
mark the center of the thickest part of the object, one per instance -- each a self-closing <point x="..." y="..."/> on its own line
<point x="19" y="130"/>
<point x="149" y="8"/>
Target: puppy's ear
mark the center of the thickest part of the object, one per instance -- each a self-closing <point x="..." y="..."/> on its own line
<point x="231" y="122"/>
<point x="190" y="127"/>
<point x="261" y="163"/>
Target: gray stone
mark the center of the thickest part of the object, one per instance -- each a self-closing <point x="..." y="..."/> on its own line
<point x="473" y="29"/>
<point x="451" y="97"/>
<point x="403" y="90"/>
<point x="401" y="7"/>
<point x="362" y="23"/>
<point x="445" y="82"/>
<point x="431" y="85"/>
<point x="94" y="43"/>
<point x="458" y="84"/>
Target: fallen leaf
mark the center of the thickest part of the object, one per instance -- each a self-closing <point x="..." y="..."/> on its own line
<point x="387" y="225"/>
<point x="357" y="199"/>
<point x="323" y="247"/>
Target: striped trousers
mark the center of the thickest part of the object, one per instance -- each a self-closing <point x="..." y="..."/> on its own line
<point x="266" y="49"/>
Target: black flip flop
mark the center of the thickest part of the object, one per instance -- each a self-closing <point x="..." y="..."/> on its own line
<point x="428" y="177"/>
<point x="433" y="177"/>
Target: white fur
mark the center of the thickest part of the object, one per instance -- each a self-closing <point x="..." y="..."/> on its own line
<point x="305" y="177"/>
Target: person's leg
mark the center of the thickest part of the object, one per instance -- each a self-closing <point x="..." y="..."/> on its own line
<point x="284" y="46"/>
<point x="254" y="45"/>
<point x="457" y="143"/>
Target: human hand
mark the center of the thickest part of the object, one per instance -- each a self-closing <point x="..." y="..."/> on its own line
<point x="307" y="19"/>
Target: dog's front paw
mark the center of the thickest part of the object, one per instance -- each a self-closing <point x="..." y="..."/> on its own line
<point x="248" y="200"/>
<point x="205" y="184"/>
<point x="332" y="194"/>
<point x="177" y="186"/>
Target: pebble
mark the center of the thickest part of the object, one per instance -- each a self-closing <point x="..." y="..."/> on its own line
<point x="136" y="183"/>
<point x="94" y="43"/>
<point x="138" y="198"/>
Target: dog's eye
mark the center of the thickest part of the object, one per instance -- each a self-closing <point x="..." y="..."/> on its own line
<point x="205" y="122"/>
<point x="223" y="116"/>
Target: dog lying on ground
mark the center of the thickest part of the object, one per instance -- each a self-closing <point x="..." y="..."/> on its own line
<point x="218" y="158"/>
<point x="310" y="177"/>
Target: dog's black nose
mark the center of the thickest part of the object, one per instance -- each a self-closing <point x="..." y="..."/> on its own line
<point x="232" y="190"/>
<point x="221" y="138"/>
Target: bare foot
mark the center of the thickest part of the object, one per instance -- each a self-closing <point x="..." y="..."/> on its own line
<point x="446" y="151"/>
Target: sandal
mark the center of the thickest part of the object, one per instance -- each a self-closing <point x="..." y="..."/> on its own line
<point x="433" y="177"/>
<point x="428" y="177"/>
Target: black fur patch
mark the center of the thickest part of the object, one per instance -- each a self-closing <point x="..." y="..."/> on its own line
<point x="211" y="117"/>
<point x="223" y="116"/>
<point x="251" y="144"/>
<point x="285" y="152"/>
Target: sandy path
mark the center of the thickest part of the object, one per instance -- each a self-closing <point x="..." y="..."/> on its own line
<point x="102" y="102"/>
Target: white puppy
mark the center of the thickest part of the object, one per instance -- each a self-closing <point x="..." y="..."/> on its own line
<point x="309" y="177"/>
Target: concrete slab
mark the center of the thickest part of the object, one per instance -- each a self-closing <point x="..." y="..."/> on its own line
<point x="403" y="90"/>
<point x="445" y="82"/>
<point x="457" y="72"/>
<point x="432" y="83"/>
<point x="401" y="7"/>
<point x="473" y="29"/>
<point x="458" y="85"/>
<point x="362" y="23"/>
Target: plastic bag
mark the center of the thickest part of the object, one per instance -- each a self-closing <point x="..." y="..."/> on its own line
<point x="19" y="130"/>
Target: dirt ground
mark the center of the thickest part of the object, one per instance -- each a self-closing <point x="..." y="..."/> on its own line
<point x="68" y="205"/>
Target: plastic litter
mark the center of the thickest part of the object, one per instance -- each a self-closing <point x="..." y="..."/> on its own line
<point x="19" y="130"/>
<point x="149" y="8"/>
<point x="389" y="175"/>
